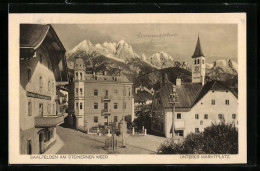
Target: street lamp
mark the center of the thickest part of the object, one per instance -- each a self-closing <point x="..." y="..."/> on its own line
<point x="173" y="101"/>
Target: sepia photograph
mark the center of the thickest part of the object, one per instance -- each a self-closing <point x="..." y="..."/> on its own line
<point x="95" y="90"/>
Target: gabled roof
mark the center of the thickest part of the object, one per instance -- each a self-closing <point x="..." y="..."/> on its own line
<point x="214" y="85"/>
<point x="32" y="35"/>
<point x="189" y="94"/>
<point x="198" y="50"/>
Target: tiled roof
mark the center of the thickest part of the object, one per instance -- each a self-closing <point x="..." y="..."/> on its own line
<point x="198" y="50"/>
<point x="32" y="34"/>
<point x="189" y="94"/>
<point x="214" y="86"/>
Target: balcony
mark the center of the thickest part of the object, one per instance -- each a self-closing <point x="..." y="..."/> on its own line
<point x="50" y="121"/>
<point x="179" y="124"/>
<point x="105" y="112"/>
<point x="106" y="98"/>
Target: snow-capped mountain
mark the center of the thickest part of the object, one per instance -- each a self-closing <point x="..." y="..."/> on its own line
<point x="223" y="66"/>
<point x="120" y="51"/>
<point x="160" y="60"/>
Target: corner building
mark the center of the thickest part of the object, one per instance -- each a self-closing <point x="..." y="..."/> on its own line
<point x="42" y="65"/>
<point x="99" y="99"/>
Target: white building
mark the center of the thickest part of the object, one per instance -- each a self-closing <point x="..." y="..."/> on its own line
<point x="198" y="105"/>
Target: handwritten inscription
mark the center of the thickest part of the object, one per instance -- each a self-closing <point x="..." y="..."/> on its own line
<point x="161" y="35"/>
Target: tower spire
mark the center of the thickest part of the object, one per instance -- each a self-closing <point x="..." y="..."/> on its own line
<point x="198" y="50"/>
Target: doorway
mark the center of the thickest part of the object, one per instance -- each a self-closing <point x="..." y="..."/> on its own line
<point x="41" y="143"/>
<point x="29" y="147"/>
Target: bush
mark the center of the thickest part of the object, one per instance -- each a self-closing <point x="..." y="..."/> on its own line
<point x="216" y="139"/>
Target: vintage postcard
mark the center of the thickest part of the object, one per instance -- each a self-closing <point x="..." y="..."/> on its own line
<point x="127" y="88"/>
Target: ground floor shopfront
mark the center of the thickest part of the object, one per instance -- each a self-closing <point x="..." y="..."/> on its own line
<point x="37" y="140"/>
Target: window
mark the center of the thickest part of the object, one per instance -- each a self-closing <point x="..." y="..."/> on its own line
<point x="95" y="119"/>
<point x="234" y="116"/>
<point x="115" y="105"/>
<point x="201" y="122"/>
<point x="49" y="108"/>
<point x="227" y="102"/>
<point x="40" y="82"/>
<point x="195" y="61"/>
<point x="49" y="85"/>
<point x="205" y="116"/>
<point x="77" y="91"/>
<point x="159" y="101"/>
<point x="213" y="101"/>
<point x="53" y="87"/>
<point x="40" y="57"/>
<point x="77" y="105"/>
<point x="115" y="92"/>
<point x="80" y="76"/>
<point x="29" y="108"/>
<point x="77" y="75"/>
<point x="95" y="77"/>
<point x="198" y="61"/>
<point x="129" y="92"/>
<point x="115" y="118"/>
<point x="106" y="92"/>
<point x="202" y="61"/>
<point x="124" y="93"/>
<point x="29" y="74"/>
<point x="81" y="92"/>
<point x="95" y="92"/>
<point x="220" y="116"/>
<point x="124" y="105"/>
<point x="41" y="109"/>
<point x="105" y="106"/>
<point x="196" y="116"/>
<point x="95" y="105"/>
<point x="80" y="105"/>
<point x="178" y="116"/>
<point x="197" y="130"/>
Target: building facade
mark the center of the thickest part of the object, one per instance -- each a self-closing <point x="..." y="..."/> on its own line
<point x="42" y="64"/>
<point x="199" y="104"/>
<point x="98" y="99"/>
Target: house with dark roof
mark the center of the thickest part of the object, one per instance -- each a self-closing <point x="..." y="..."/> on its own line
<point x="42" y="65"/>
<point x="99" y="99"/>
<point x="198" y="104"/>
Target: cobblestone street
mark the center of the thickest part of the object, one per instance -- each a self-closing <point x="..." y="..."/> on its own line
<point x="76" y="142"/>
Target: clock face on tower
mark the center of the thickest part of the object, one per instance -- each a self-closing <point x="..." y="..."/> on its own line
<point x="196" y="68"/>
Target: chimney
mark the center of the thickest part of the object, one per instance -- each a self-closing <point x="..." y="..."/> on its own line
<point x="203" y="80"/>
<point x="178" y="81"/>
<point x="104" y="72"/>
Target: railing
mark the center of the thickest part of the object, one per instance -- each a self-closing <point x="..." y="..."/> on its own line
<point x="105" y="98"/>
<point x="105" y="112"/>
<point x="48" y="121"/>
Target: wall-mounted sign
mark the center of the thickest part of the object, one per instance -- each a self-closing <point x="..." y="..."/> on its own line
<point x="39" y="96"/>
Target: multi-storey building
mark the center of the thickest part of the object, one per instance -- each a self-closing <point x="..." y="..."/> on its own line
<point x="42" y="64"/>
<point x="99" y="99"/>
<point x="198" y="104"/>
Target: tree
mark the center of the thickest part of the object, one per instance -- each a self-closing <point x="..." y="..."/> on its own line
<point x="143" y="117"/>
<point x="216" y="139"/>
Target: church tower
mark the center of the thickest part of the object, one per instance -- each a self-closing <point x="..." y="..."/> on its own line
<point x="79" y="92"/>
<point x="198" y="67"/>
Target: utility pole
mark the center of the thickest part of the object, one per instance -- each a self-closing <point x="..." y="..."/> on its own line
<point x="172" y="97"/>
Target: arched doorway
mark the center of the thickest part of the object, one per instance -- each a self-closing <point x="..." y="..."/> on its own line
<point x="41" y="136"/>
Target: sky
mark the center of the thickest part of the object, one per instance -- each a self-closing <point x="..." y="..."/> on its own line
<point x="218" y="41"/>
